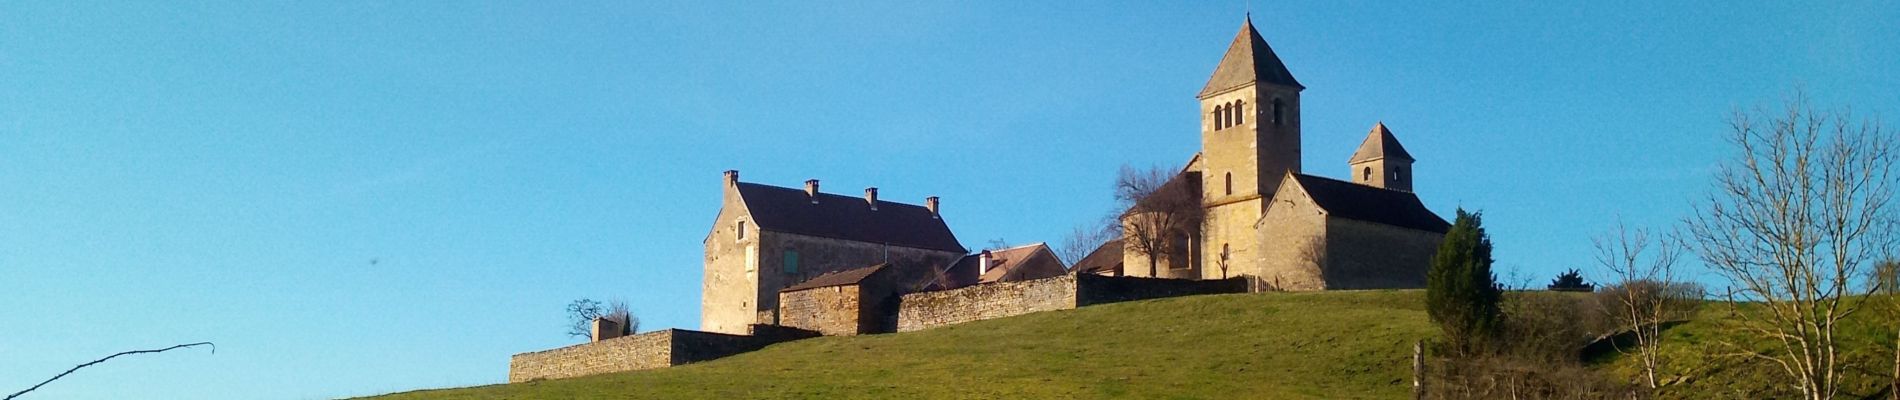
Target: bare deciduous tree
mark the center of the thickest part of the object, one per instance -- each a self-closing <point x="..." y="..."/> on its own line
<point x="1646" y="293"/>
<point x="214" y="349"/>
<point x="1800" y="211"/>
<point x="582" y="312"/>
<point x="1158" y="213"/>
<point x="622" y="316"/>
<point x="1085" y="239"/>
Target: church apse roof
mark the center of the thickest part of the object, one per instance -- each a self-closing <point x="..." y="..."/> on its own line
<point x="834" y="216"/>
<point x="1371" y="204"/>
<point x="1249" y="59"/>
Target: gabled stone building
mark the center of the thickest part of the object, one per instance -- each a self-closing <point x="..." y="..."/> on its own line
<point x="850" y="302"/>
<point x="1020" y="263"/>
<point x="767" y="238"/>
<point x="1263" y="218"/>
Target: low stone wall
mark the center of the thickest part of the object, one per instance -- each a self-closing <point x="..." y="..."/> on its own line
<point x="695" y="346"/>
<point x="828" y="310"/>
<point x="924" y="310"/>
<point x="657" y="349"/>
<point x="1096" y="289"/>
<point x="643" y="351"/>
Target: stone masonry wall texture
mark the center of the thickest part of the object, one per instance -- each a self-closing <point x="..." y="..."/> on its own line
<point x="828" y="310"/>
<point x="925" y="310"/>
<point x="1096" y="289"/>
<point x="744" y="292"/>
<point x="657" y="349"/>
<point x="643" y="351"/>
<point x="918" y="311"/>
<point x="1364" y="255"/>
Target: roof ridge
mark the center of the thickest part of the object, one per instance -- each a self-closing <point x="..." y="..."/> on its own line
<point x="1020" y="246"/>
<point x="880" y="200"/>
<point x="1380" y="143"/>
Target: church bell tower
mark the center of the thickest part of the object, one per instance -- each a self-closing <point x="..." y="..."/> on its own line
<point x="1250" y="140"/>
<point x="1250" y="122"/>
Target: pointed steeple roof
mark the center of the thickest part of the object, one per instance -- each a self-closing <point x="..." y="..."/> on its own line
<point x="1380" y="144"/>
<point x="1248" y="60"/>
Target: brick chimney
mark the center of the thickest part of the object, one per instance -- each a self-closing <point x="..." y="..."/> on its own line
<point x="732" y="177"/>
<point x="931" y="203"/>
<point x="983" y="263"/>
<point x="870" y="196"/>
<point x="606" y="329"/>
<point x="811" y="189"/>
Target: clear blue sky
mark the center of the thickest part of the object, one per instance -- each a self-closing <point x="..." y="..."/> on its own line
<point x="356" y="198"/>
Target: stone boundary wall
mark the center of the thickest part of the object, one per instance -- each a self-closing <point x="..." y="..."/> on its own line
<point x="643" y="351"/>
<point x="917" y="311"/>
<point x="690" y="346"/>
<point x="657" y="349"/>
<point x="1096" y="289"/>
<point x="926" y="310"/>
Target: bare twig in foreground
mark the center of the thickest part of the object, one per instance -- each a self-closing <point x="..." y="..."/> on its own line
<point x="214" y="349"/>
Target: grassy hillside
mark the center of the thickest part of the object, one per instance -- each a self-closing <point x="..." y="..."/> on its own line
<point x="1337" y="345"/>
<point x="1699" y="360"/>
<point x="1332" y="345"/>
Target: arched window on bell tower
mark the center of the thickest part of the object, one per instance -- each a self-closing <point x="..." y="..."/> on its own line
<point x="1220" y="117"/>
<point x="1230" y="183"/>
<point x="1240" y="112"/>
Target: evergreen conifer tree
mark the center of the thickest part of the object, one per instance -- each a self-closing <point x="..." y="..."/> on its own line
<point x="1461" y="293"/>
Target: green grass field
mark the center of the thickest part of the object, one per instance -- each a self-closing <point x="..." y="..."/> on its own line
<point x="1700" y="362"/>
<point x="1336" y="345"/>
<point x="1325" y="345"/>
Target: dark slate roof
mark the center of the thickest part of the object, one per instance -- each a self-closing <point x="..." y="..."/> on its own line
<point x="1371" y="204"/>
<point x="837" y="278"/>
<point x="790" y="210"/>
<point x="961" y="273"/>
<point x="1248" y="60"/>
<point x="1380" y="144"/>
<point x="1103" y="259"/>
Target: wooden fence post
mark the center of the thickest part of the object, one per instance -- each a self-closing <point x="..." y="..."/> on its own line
<point x="1418" y="370"/>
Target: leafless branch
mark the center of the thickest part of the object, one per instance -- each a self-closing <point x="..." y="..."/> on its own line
<point x="214" y="350"/>
<point x="1159" y="214"/>
<point x="1794" y="218"/>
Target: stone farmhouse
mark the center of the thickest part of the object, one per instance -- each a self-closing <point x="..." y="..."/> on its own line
<point x="786" y="263"/>
<point x="768" y="238"/>
<point x="1264" y="219"/>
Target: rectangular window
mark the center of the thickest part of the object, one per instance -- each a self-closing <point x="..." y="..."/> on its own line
<point x="751" y="259"/>
<point x="791" y="261"/>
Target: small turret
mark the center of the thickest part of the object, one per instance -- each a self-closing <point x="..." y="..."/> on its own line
<point x="1381" y="161"/>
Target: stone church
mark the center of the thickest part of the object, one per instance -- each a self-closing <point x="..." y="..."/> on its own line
<point x="1262" y="217"/>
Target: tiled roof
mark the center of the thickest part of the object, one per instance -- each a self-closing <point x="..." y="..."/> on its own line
<point x="1102" y="260"/>
<point x="968" y="270"/>
<point x="837" y="278"/>
<point x="843" y="217"/>
<point x="1371" y="204"/>
<point x="1248" y="60"/>
<point x="1380" y="144"/>
<point x="1005" y="261"/>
